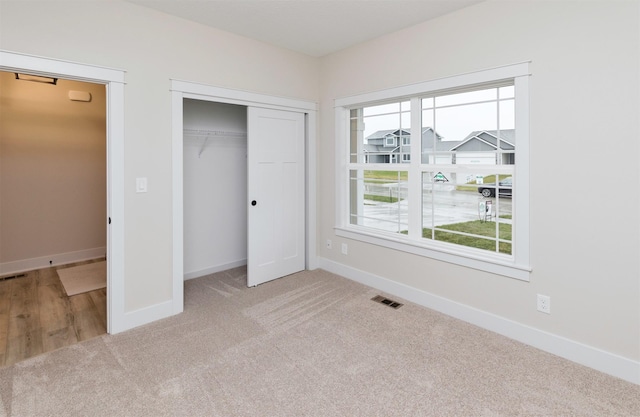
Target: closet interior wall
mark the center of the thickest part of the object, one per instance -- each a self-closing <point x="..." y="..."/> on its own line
<point x="215" y="187"/>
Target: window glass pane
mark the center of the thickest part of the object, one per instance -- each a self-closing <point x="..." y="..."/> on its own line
<point x="507" y="114"/>
<point x="457" y="210"/>
<point x="380" y="137"/>
<point x="429" y="138"/>
<point x="355" y="134"/>
<point x="507" y="92"/>
<point x="457" y="123"/>
<point x="379" y="200"/>
<point x="382" y="109"/>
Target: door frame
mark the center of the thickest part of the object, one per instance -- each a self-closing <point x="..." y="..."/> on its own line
<point x="113" y="80"/>
<point x="185" y="89"/>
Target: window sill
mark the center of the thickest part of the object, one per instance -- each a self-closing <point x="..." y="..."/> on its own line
<point x="494" y="264"/>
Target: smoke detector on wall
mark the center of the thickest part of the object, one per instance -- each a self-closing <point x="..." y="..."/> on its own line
<point x="79" y="96"/>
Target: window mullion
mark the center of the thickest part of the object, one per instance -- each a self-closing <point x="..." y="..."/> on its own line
<point x="520" y="236"/>
<point x="415" y="177"/>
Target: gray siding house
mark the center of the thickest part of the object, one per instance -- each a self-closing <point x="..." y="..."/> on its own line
<point x="479" y="147"/>
<point x="394" y="146"/>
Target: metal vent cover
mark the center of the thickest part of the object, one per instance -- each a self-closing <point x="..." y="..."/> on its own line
<point x="12" y="276"/>
<point x="386" y="301"/>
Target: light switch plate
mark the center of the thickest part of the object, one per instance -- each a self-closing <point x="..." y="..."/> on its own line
<point x="141" y="185"/>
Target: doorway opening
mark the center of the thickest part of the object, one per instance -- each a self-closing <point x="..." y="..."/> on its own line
<point x="113" y="82"/>
<point x="53" y="203"/>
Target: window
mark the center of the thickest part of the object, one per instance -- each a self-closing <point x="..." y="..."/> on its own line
<point x="461" y="192"/>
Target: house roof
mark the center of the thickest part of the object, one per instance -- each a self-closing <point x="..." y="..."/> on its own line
<point x="476" y="141"/>
<point x="380" y="134"/>
<point x="489" y="138"/>
<point x="440" y="145"/>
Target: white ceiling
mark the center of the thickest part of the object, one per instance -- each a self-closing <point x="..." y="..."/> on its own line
<point x="312" y="27"/>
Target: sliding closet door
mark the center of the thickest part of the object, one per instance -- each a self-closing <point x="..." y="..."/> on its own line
<point x="276" y="194"/>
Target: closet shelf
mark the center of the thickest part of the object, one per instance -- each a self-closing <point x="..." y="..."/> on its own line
<point x="217" y="134"/>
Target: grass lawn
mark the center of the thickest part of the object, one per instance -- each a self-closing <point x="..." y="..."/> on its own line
<point x="475" y="227"/>
<point x="381" y="198"/>
<point x="386" y="175"/>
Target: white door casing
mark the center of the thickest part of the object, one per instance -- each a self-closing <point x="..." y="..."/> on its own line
<point x="185" y="89"/>
<point x="276" y="194"/>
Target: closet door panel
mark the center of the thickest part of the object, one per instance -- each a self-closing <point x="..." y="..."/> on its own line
<point x="276" y="244"/>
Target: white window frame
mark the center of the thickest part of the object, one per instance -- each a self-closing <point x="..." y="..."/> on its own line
<point x="406" y="157"/>
<point x="406" y="140"/>
<point x="515" y="266"/>
<point x="386" y="141"/>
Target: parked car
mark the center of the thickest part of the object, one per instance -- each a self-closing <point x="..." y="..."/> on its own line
<point x="505" y="187"/>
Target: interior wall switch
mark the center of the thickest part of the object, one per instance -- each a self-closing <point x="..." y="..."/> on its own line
<point x="345" y="249"/>
<point x="141" y="185"/>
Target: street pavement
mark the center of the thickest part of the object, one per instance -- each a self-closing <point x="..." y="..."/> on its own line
<point x="440" y="207"/>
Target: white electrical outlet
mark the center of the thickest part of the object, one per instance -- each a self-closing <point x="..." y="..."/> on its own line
<point x="345" y="249"/>
<point x="544" y="303"/>
<point x="329" y="244"/>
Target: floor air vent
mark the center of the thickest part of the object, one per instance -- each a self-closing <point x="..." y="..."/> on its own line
<point x="12" y="276"/>
<point x="386" y="301"/>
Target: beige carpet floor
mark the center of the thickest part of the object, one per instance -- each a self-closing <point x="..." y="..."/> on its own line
<point x="311" y="344"/>
<point x="83" y="278"/>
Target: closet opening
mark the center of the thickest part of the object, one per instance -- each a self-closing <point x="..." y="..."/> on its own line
<point x="215" y="187"/>
<point x="280" y="156"/>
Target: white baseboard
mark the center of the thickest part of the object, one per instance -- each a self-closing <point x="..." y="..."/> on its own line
<point x="214" y="269"/>
<point x="165" y="309"/>
<point x="595" y="358"/>
<point x="15" y="267"/>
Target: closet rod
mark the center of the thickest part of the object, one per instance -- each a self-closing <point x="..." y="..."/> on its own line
<point x="220" y="134"/>
<point x="209" y="133"/>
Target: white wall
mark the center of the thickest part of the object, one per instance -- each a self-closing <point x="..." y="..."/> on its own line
<point x="52" y="174"/>
<point x="152" y="48"/>
<point x="215" y="188"/>
<point x="584" y="163"/>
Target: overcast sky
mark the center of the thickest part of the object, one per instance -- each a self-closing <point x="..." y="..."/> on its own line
<point x="453" y="123"/>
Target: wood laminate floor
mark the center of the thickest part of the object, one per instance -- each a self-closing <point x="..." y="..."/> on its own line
<point x="37" y="316"/>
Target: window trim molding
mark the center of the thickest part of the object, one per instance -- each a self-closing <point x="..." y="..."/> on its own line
<point x="491" y="76"/>
<point x="518" y="266"/>
<point x="490" y="263"/>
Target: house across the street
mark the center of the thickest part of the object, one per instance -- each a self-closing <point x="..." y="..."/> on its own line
<point x="479" y="147"/>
